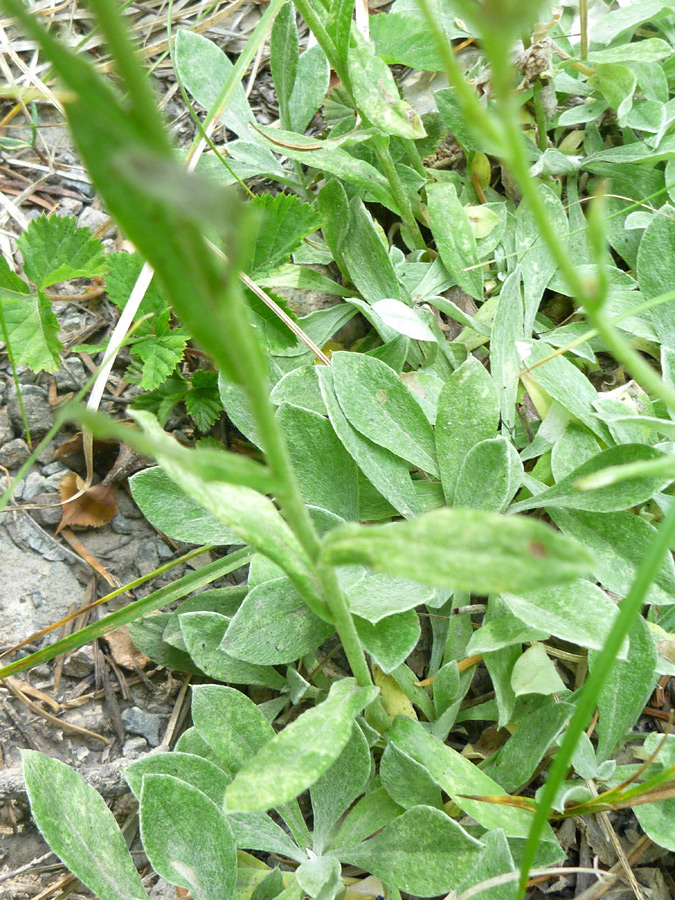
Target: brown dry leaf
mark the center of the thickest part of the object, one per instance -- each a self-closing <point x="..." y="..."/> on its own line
<point x="96" y="506"/>
<point x="123" y="649"/>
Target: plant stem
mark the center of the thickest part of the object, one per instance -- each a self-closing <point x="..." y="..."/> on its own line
<point x="588" y="697"/>
<point x="583" y="25"/>
<point x="381" y="147"/>
<point x="325" y="41"/>
<point x="413" y="156"/>
<point x="540" y="116"/>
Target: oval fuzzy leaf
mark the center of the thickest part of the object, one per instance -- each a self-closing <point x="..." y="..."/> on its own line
<point x="203" y="633"/>
<point x="454" y="237"/>
<point x="468" y="412"/>
<point x="298" y="756"/>
<point x="250" y="515"/>
<point x="274" y="625"/>
<point x="201" y="773"/>
<point x="171" y="510"/>
<point x="390" y="642"/>
<point x="381" y="407"/>
<point x="535" y="673"/>
<point x="385" y="471"/>
<point x="326" y="473"/>
<point x="203" y="69"/>
<point x="463" y="549"/>
<point x="423" y="851"/>
<point x="376" y="92"/>
<point x="80" y="829"/>
<point x="377" y="596"/>
<point x="172" y="815"/>
<point x="230" y="723"/>
<point x="403" y="319"/>
<point x="613" y="497"/>
<point x="579" y="612"/>
<point x="490" y="475"/>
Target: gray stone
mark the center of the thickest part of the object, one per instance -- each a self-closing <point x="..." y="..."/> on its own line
<point x="54" y="468"/>
<point x="134" y="747"/>
<point x="6" y="430"/>
<point x="69" y="206"/>
<point x="136" y="721"/>
<point x="147" y="558"/>
<point x="71" y="376"/>
<point x="163" y="550"/>
<point x="38" y="412"/>
<point x="14" y="454"/>
<point x="162" y="890"/>
<point x="49" y="509"/>
<point x="80" y="662"/>
<point x="53" y="482"/>
<point x="34" y="484"/>
<point x="121" y="525"/>
<point x="35" y="592"/>
<point x="93" y="218"/>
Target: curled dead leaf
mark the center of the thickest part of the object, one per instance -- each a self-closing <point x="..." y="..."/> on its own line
<point x="95" y="507"/>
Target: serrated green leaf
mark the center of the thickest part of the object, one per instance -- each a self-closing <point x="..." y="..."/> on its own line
<point x="170" y="810"/>
<point x="284" y="222"/>
<point x="80" y="828"/>
<point x="297" y="757"/>
<point x="54" y="249"/>
<point x="123" y="272"/>
<point x="160" y="355"/>
<point x="463" y="549"/>
<point x="32" y="329"/>
<point x="202" y="401"/>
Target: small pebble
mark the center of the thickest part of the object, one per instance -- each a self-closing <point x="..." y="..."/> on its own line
<point x="136" y="721"/>
<point x="71" y="376"/>
<point x="14" y="454"/>
<point x="122" y="525"/>
<point x="79" y="663"/>
<point x="34" y="484"/>
<point x="134" y="747"/>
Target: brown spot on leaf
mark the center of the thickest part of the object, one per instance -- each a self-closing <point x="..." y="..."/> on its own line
<point x="539" y="551"/>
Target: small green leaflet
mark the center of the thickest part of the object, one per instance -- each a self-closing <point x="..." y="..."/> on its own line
<point x="284" y="222"/>
<point x="454" y="237"/>
<point x="32" y="330"/>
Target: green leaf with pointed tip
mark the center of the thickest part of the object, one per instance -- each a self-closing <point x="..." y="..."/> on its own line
<point x="309" y="91"/>
<point x="55" y="249"/>
<point x="462" y="549"/>
<point x="203" y="68"/>
<point x="535" y="673"/>
<point x="579" y="612"/>
<point x="201" y="773"/>
<point x="300" y="387"/>
<point x="170" y="812"/>
<point x="274" y="625"/>
<point x="203" y="633"/>
<point x="626" y="690"/>
<point x="618" y="542"/>
<point x="284" y="55"/>
<point x="202" y="401"/>
<point x="423" y="852"/>
<point x="376" y="92"/>
<point x="457" y="776"/>
<point x="320" y="877"/>
<point x="173" y="511"/>
<point x="391" y="641"/>
<point x="454" y="237"/>
<point x="612" y="498"/>
<point x="326" y="473"/>
<point x="230" y="723"/>
<point x="80" y="829"/>
<point x="468" y="413"/>
<point x="249" y="514"/>
<point x="381" y="407"/>
<point x="339" y="787"/>
<point x="159" y="354"/>
<point x="377" y="596"/>
<point x="297" y="757"/>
